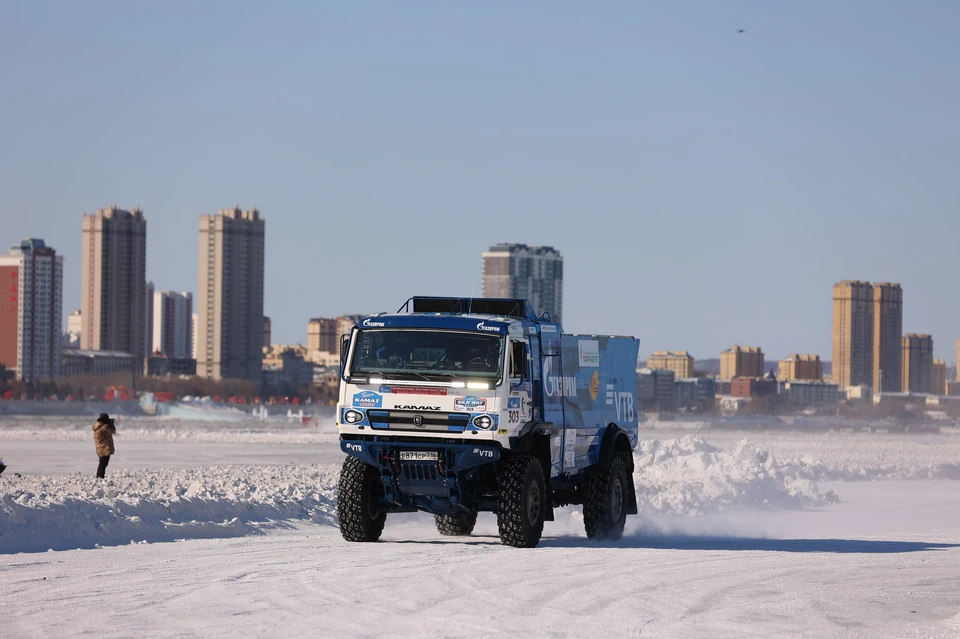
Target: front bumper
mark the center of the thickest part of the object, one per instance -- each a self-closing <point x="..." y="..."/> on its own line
<point x="446" y="485"/>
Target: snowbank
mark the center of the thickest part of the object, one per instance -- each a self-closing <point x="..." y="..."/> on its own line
<point x="687" y="476"/>
<point x="78" y="511"/>
<point x="177" y="431"/>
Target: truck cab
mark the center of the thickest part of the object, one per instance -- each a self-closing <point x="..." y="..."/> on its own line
<point x="455" y="406"/>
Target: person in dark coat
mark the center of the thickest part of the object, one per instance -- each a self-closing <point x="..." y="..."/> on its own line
<point x="103" y="431"/>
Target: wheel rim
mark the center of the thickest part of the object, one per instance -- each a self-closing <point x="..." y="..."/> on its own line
<point x="616" y="500"/>
<point x="533" y="504"/>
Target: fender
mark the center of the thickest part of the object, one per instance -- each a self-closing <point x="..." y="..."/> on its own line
<point x="522" y="441"/>
<point x="615" y="441"/>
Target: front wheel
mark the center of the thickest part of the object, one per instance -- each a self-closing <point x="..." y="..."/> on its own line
<point x="457" y="525"/>
<point x="605" y="502"/>
<point x="359" y="487"/>
<point x="521" y="501"/>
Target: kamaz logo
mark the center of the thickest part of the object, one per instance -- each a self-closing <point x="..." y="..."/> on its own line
<point x="357" y="448"/>
<point x="370" y="324"/>
<point x="482" y="452"/>
<point x="406" y="407"/>
<point x="490" y="329"/>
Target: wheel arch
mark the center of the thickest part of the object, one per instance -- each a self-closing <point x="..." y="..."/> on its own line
<point x="615" y="441"/>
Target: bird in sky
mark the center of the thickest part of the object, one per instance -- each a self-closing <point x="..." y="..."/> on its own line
<point x="740" y="31"/>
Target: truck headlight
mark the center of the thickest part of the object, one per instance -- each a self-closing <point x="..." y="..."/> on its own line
<point x="483" y="421"/>
<point x="353" y="416"/>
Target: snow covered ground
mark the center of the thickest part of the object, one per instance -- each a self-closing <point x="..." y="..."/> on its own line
<point x="217" y="530"/>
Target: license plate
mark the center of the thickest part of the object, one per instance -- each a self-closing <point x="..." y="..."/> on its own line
<point x="418" y="455"/>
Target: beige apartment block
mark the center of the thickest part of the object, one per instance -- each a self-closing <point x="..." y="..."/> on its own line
<point x="887" y="336"/>
<point x="800" y="367"/>
<point x="917" y="363"/>
<point x="853" y="324"/>
<point x="680" y="362"/>
<point x="113" y="282"/>
<point x="939" y="377"/>
<point x="230" y="321"/>
<point x="741" y="361"/>
<point x="322" y="335"/>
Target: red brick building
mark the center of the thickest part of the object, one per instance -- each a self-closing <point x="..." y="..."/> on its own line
<point x="752" y="387"/>
<point x="9" y="311"/>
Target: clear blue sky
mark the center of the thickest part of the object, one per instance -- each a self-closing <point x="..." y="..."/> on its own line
<point x="705" y="187"/>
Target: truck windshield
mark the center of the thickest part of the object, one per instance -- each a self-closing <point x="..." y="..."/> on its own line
<point x="397" y="353"/>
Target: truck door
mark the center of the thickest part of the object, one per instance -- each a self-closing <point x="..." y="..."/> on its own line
<point x="536" y="390"/>
<point x="552" y="394"/>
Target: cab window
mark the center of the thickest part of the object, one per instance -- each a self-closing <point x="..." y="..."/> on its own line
<point x="518" y="359"/>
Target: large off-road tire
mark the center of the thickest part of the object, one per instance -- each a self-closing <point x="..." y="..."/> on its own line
<point x="457" y="525"/>
<point x="521" y="501"/>
<point x="605" y="501"/>
<point x="359" y="486"/>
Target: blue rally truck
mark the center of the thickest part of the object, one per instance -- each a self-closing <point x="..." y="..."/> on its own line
<point x="455" y="406"/>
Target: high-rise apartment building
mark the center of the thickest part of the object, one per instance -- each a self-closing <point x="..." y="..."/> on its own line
<point x="30" y="310"/>
<point x="230" y="332"/>
<point x="322" y="335"/>
<point x="113" y="285"/>
<point x="681" y="363"/>
<point x="741" y="361"/>
<point x="267" y="332"/>
<point x="148" y="346"/>
<point x="917" y="363"/>
<point x="525" y="272"/>
<point x="193" y="332"/>
<point x="173" y="324"/>
<point x="800" y="368"/>
<point x="853" y="324"/>
<point x="887" y="337"/>
<point x="939" y="383"/>
<point x="867" y="335"/>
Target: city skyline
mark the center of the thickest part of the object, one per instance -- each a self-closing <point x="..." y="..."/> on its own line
<point x="674" y="171"/>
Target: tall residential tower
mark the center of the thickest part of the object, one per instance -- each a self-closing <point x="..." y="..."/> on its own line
<point x="852" y="333"/>
<point x="30" y="311"/>
<point x="230" y="295"/>
<point x="525" y="272"/>
<point x="887" y="336"/>
<point x="918" y="363"/>
<point x="173" y="324"/>
<point x="113" y="287"/>
<point x="867" y="335"/>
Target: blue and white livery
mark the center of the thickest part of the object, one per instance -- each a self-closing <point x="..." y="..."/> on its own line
<point x="455" y="406"/>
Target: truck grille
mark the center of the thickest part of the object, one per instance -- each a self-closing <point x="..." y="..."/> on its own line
<point x="420" y="472"/>
<point x="428" y="422"/>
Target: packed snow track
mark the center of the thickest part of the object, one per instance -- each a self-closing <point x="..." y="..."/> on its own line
<point x="737" y="539"/>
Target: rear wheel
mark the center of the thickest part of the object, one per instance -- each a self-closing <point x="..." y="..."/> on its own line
<point x="521" y="501"/>
<point x="605" y="503"/>
<point x="358" y="489"/>
<point x="456" y="525"/>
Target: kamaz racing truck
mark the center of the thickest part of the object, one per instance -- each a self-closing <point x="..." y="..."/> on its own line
<point x="455" y="406"/>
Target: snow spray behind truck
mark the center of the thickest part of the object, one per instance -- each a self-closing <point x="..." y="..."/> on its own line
<point x="455" y="406"/>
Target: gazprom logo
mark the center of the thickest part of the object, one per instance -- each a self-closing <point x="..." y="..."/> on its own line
<point x="558" y="385"/>
<point x="370" y="324"/>
<point x="490" y="329"/>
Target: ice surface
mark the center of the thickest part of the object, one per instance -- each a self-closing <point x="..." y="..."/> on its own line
<point x="738" y="537"/>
